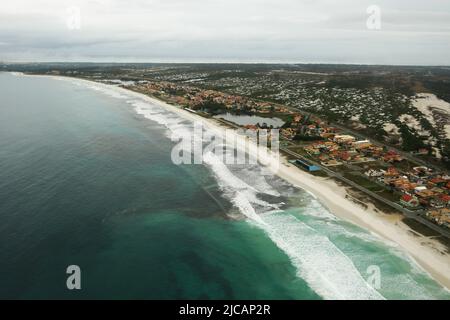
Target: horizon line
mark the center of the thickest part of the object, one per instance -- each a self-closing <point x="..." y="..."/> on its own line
<point x="266" y="62"/>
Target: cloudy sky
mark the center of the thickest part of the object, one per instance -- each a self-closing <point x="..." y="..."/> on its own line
<point x="411" y="31"/>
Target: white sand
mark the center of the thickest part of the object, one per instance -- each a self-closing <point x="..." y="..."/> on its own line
<point x="391" y="128"/>
<point x="427" y="103"/>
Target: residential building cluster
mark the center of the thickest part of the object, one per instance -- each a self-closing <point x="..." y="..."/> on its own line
<point x="418" y="188"/>
<point x="197" y="99"/>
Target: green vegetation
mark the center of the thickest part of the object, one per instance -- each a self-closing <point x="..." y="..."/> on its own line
<point x="212" y="107"/>
<point x="410" y="141"/>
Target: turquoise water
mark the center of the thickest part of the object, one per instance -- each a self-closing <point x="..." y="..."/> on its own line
<point x="86" y="178"/>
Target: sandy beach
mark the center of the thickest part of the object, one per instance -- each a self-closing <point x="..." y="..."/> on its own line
<point x="429" y="253"/>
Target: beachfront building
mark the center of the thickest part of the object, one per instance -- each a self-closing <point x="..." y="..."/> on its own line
<point x="344" y="138"/>
<point x="409" y="201"/>
<point x="362" y="144"/>
<point x="307" y="165"/>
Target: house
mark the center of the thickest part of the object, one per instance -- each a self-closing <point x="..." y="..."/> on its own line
<point x="437" y="190"/>
<point x="422" y="171"/>
<point x="362" y="144"/>
<point x="445" y="198"/>
<point x="403" y="184"/>
<point x="391" y="172"/>
<point x="427" y="198"/>
<point x="297" y="118"/>
<point x="344" y="138"/>
<point x="312" y="150"/>
<point x="327" y="135"/>
<point x="391" y="156"/>
<point x="438" y="181"/>
<point x="409" y="201"/>
<point x="420" y="188"/>
<point x="251" y="127"/>
<point x="345" y="156"/>
<point x="440" y="216"/>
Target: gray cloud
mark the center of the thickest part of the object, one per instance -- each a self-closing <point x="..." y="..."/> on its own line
<point x="412" y="32"/>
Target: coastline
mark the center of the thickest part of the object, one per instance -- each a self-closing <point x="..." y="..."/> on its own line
<point x="425" y="251"/>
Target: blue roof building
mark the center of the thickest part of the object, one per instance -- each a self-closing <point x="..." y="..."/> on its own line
<point x="306" y="165"/>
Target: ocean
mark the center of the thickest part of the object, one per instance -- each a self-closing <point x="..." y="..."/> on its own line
<point x="86" y="179"/>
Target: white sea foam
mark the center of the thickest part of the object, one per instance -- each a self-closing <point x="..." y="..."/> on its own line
<point x="315" y="208"/>
<point x="17" y="74"/>
<point x="108" y="91"/>
<point x="178" y="127"/>
<point x="234" y="186"/>
<point x="311" y="253"/>
<point x="254" y="174"/>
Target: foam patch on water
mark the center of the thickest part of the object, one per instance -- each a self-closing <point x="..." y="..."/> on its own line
<point x="178" y="127"/>
<point x="310" y="252"/>
<point x="108" y="91"/>
<point x="326" y="269"/>
<point x="316" y="209"/>
<point x="239" y="192"/>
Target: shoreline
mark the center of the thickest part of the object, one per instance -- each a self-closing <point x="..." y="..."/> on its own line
<point x="426" y="252"/>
